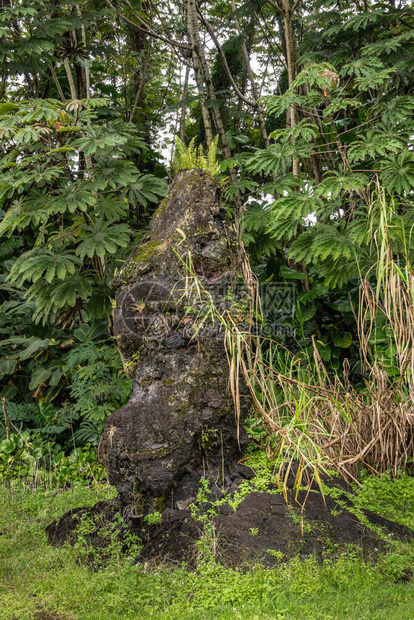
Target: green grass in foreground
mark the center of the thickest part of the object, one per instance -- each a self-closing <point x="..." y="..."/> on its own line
<point x="35" y="577"/>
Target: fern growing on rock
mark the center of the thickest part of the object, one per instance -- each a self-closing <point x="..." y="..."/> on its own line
<point x="191" y="156"/>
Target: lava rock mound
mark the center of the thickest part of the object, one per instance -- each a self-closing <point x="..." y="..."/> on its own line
<point x="267" y="529"/>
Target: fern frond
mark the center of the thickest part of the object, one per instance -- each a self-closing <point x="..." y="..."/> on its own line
<point x="189" y="157"/>
<point x="212" y="165"/>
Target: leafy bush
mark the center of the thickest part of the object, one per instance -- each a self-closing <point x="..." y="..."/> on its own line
<point x="25" y="457"/>
<point x="78" y="382"/>
<point x="66" y="274"/>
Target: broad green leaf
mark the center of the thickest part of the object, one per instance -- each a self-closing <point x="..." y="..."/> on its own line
<point x="324" y="350"/>
<point x="7" y="366"/>
<point x="35" y="346"/>
<point x="102" y="238"/>
<point x="7" y="107"/>
<point x="72" y="198"/>
<point x="147" y="188"/>
<point x="291" y="274"/>
<point x="39" y="376"/>
<point x="342" y="339"/>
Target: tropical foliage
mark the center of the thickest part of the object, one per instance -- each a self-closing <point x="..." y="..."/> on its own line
<point x="302" y="110"/>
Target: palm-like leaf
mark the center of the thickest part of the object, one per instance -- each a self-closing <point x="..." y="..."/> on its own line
<point x="103" y="237"/>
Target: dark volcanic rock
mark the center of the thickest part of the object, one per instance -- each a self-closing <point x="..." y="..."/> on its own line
<point x="179" y="423"/>
<point x="264" y="525"/>
<point x="264" y="528"/>
<point x="65" y="528"/>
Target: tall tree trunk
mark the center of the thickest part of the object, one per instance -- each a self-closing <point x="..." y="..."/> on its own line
<point x="286" y="11"/>
<point x="252" y="82"/>
<point x="70" y="78"/>
<point x="86" y="68"/>
<point x="57" y="83"/>
<point x="194" y="40"/>
<point x="73" y="95"/>
<point x="184" y="106"/>
<point x="3" y="84"/>
<point x="141" y="82"/>
<point x="204" y="76"/>
<point x="291" y="66"/>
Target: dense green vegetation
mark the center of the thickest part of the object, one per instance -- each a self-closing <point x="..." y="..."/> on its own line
<point x="304" y="113"/>
<point x="311" y="105"/>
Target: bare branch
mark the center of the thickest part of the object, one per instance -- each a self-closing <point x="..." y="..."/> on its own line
<point x="275" y="47"/>
<point x="148" y="29"/>
<point x="226" y="66"/>
<point x="276" y="7"/>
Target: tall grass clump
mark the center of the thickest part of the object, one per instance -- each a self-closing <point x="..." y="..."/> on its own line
<point x="322" y="420"/>
<point x="314" y="420"/>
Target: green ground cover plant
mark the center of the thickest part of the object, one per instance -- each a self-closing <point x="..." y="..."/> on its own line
<point x="36" y="577"/>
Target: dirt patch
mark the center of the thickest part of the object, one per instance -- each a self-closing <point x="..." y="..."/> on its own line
<point x="99" y="516"/>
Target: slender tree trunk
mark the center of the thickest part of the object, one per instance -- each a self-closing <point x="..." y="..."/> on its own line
<point x="3" y="84"/>
<point x="200" y="58"/>
<point x="291" y="66"/>
<point x="53" y="73"/>
<point x="286" y="11"/>
<point x="194" y="40"/>
<point x="184" y="106"/>
<point x="141" y="82"/>
<point x="70" y="78"/>
<point x="252" y="82"/>
<point x="289" y="41"/>
<point x="57" y="83"/>
<point x="88" y="158"/>
<point x="86" y="69"/>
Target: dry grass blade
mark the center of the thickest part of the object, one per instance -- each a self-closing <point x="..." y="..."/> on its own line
<point x="320" y="422"/>
<point x="316" y="422"/>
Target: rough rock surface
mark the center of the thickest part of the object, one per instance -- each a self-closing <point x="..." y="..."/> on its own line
<point x="179" y="423"/>
<point x="263" y="528"/>
<point x="266" y="529"/>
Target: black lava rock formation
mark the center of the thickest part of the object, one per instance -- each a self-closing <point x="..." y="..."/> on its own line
<point x="179" y="423"/>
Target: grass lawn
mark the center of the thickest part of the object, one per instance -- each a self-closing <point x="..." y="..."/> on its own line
<point x="38" y="581"/>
